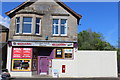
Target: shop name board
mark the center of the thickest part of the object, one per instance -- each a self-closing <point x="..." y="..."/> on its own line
<point x="24" y="43"/>
<point x="48" y="44"/>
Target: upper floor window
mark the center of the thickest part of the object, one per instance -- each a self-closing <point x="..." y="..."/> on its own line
<point x="59" y="27"/>
<point x="27" y="25"/>
<point x="63" y="26"/>
<point x="17" y="24"/>
<point x="37" y="27"/>
<point x="55" y="26"/>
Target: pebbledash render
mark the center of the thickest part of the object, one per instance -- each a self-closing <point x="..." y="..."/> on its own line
<point x="39" y="32"/>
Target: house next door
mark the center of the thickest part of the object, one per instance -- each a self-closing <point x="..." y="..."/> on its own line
<point x="43" y="65"/>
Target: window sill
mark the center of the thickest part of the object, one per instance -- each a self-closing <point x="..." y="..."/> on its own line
<point x="59" y="36"/>
<point x="27" y="35"/>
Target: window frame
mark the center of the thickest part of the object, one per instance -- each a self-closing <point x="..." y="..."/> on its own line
<point x="33" y="24"/>
<point x="65" y="25"/>
<point x="59" y="25"/>
<point x="27" y="23"/>
<point x="16" y="23"/>
<point x="39" y="26"/>
<point x="54" y="29"/>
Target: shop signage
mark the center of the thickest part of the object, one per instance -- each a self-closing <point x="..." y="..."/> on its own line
<point x="22" y="53"/>
<point x="68" y="50"/>
<point x="17" y="53"/>
<point x="48" y="44"/>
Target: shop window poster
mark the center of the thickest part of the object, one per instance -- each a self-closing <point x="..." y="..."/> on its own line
<point x="22" y="53"/>
<point x="68" y="55"/>
<point x="68" y="50"/>
<point x="59" y="53"/>
<point x="27" y="53"/>
<point x="17" y="53"/>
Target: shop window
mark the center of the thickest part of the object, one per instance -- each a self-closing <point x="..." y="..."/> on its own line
<point x="68" y="53"/>
<point x="21" y="65"/>
<point x="59" y="27"/>
<point x="59" y="53"/>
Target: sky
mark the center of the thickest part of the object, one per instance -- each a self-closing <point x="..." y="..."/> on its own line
<point x="100" y="17"/>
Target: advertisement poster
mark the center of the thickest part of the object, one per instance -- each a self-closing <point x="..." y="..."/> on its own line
<point x="21" y="65"/>
<point x="27" y="53"/>
<point x="68" y="50"/>
<point x="17" y="53"/>
<point x="22" y="53"/>
<point x="59" y="51"/>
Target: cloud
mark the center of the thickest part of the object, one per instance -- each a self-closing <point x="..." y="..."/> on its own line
<point x="5" y="21"/>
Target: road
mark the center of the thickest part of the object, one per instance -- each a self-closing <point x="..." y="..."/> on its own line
<point x="66" y="79"/>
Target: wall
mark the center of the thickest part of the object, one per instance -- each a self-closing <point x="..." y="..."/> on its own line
<point x="88" y="64"/>
<point x="3" y="36"/>
<point x="21" y="74"/>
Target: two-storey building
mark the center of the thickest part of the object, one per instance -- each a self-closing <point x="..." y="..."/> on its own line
<point x="39" y="32"/>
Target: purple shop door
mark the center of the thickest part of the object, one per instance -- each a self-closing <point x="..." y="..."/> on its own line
<point x="44" y="62"/>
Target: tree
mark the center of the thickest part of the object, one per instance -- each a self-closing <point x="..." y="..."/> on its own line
<point x="88" y="40"/>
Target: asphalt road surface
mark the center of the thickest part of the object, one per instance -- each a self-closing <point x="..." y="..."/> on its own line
<point x="65" y="79"/>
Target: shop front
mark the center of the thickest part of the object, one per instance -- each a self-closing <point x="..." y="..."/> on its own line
<point x="36" y="57"/>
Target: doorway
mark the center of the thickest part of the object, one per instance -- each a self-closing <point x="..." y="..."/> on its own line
<point x="43" y="65"/>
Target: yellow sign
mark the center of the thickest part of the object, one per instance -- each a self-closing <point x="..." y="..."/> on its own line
<point x="21" y="64"/>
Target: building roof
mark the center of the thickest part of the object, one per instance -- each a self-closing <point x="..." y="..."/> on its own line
<point x="28" y="2"/>
<point x="3" y="28"/>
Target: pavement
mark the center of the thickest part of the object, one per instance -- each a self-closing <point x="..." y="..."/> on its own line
<point x="66" y="79"/>
<point x="47" y="78"/>
<point x="44" y="77"/>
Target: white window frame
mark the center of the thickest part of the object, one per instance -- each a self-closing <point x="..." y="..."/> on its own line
<point x="54" y="29"/>
<point x="16" y="26"/>
<point x="59" y="25"/>
<point x="27" y="23"/>
<point x="65" y="28"/>
<point x="39" y="26"/>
